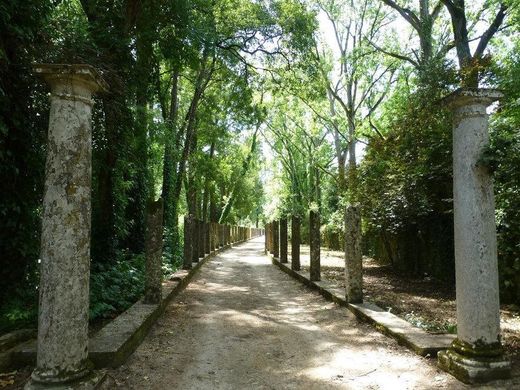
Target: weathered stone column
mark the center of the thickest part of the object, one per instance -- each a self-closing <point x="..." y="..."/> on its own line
<point x="315" y="242"/>
<point x="201" y="239"/>
<point x="207" y="238"/>
<point x="283" y="240"/>
<point x="276" y="239"/>
<point x="353" y="256"/>
<point x="213" y="242"/>
<point x="153" y="250"/>
<point x="267" y="237"/>
<point x="195" y="240"/>
<point x="271" y="238"/>
<point x="188" y="242"/>
<point x="65" y="239"/>
<point x="266" y="241"/>
<point x="477" y="354"/>
<point x="295" y="243"/>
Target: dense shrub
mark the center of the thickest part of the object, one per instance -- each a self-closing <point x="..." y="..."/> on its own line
<point x="505" y="160"/>
<point x="406" y="187"/>
<point x="114" y="287"/>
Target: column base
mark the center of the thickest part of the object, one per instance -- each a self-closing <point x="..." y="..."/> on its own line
<point x="474" y="369"/>
<point x="90" y="382"/>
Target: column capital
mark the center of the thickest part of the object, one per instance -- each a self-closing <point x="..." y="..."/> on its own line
<point x="79" y="74"/>
<point x="464" y="96"/>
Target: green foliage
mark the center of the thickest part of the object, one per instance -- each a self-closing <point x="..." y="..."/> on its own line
<point x="243" y="66"/>
<point x="505" y="150"/>
<point x="406" y="188"/>
<point x="20" y="310"/>
<point x="116" y="287"/>
<point x="23" y="124"/>
<point x="429" y="325"/>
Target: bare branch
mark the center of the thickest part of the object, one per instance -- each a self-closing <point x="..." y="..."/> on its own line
<point x="395" y="55"/>
<point x="492" y="29"/>
<point x="406" y="13"/>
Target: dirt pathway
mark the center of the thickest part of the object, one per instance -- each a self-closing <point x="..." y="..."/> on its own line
<point x="243" y="324"/>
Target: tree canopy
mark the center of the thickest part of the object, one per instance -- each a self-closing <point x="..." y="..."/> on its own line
<point x="239" y="111"/>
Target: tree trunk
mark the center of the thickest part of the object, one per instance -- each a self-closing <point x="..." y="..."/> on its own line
<point x="143" y="66"/>
<point x="104" y="238"/>
<point x="283" y="240"/>
<point x="188" y="242"/>
<point x="314" y="233"/>
<point x="170" y="143"/>
<point x="153" y="250"/>
<point x="276" y="239"/>
<point x="353" y="258"/>
<point x="295" y="243"/>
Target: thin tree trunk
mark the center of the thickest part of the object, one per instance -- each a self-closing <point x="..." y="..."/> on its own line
<point x="314" y="232"/>
<point x="143" y="71"/>
<point x="243" y="172"/>
<point x="295" y="243"/>
<point x="168" y="160"/>
<point x="283" y="240"/>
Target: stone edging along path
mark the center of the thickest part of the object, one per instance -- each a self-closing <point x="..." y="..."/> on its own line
<point x="416" y="339"/>
<point x="117" y="340"/>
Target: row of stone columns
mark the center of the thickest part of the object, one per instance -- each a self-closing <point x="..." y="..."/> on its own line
<point x="475" y="356"/>
<point x="276" y="240"/>
<point x="202" y="238"/>
<point x="477" y="353"/>
<point x="276" y="243"/>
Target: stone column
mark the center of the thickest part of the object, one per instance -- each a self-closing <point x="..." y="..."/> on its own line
<point x="212" y="236"/>
<point x="195" y="240"/>
<point x="188" y="242"/>
<point x="295" y="243"/>
<point x="476" y="355"/>
<point x="202" y="252"/>
<point x="271" y="237"/>
<point x="283" y="240"/>
<point x="62" y="354"/>
<point x="266" y="241"/>
<point x="276" y="239"/>
<point x="207" y="239"/>
<point x="353" y="257"/>
<point x="153" y="250"/>
<point x="315" y="242"/>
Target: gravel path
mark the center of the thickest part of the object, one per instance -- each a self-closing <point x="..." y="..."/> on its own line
<point x="243" y="324"/>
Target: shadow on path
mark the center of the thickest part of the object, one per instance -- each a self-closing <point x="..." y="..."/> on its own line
<point x="243" y="324"/>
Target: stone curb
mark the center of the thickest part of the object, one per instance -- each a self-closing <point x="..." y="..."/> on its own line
<point x="117" y="340"/>
<point x="9" y="341"/>
<point x="419" y="341"/>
